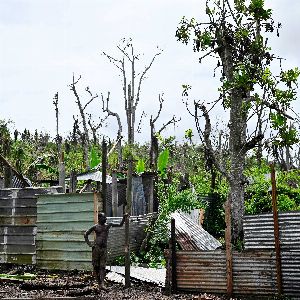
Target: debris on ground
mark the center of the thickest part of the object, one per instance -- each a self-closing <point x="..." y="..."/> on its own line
<point x="82" y="285"/>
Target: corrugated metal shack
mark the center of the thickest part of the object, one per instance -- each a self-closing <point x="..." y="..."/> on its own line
<point x="143" y="201"/>
<point x="62" y="221"/>
<point x="254" y="270"/>
<point x="18" y="223"/>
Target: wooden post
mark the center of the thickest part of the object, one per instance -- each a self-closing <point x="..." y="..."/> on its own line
<point x="104" y="164"/>
<point x="167" y="254"/>
<point x="228" y="248"/>
<point x="173" y="255"/>
<point x="114" y="194"/>
<point x="62" y="172"/>
<point x="276" y="230"/>
<point x="127" y="253"/>
<point x="8" y="175"/>
<point x="73" y="182"/>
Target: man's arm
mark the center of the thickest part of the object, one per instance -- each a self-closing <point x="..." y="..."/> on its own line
<point x="86" y="235"/>
<point x="122" y="222"/>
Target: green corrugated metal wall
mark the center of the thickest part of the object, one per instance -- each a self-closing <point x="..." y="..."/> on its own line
<point x="61" y="221"/>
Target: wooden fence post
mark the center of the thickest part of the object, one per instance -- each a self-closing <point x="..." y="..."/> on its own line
<point x="276" y="230"/>
<point x="127" y="252"/>
<point x="173" y="256"/>
<point x="228" y="248"/>
<point x="168" y="282"/>
<point x="114" y="194"/>
<point x="73" y="182"/>
<point x="104" y="165"/>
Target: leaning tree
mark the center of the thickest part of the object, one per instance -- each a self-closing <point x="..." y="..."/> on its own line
<point x="235" y="34"/>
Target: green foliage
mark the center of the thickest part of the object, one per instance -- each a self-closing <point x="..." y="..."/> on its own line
<point x="188" y="134"/>
<point x="162" y="162"/>
<point x="140" y="166"/>
<point x="94" y="157"/>
<point x="248" y="71"/>
<point x="258" y="193"/>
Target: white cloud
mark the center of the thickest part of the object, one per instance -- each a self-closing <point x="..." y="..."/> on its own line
<point x="44" y="42"/>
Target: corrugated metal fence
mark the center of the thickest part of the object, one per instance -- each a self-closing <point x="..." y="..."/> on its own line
<point x="205" y="271"/>
<point x="259" y="231"/>
<point x="254" y="270"/>
<point x="259" y="234"/>
<point x="17" y="223"/>
<point x="62" y="221"/>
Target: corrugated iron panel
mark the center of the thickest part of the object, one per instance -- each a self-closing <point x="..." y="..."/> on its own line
<point x="17" y="244"/>
<point x="62" y="221"/>
<point x="192" y="236"/>
<point x="92" y="175"/>
<point x="254" y="272"/>
<point x="259" y="234"/>
<point x="18" y="224"/>
<point x="290" y="265"/>
<point x="259" y="231"/>
<point x="152" y="275"/>
<point x="205" y="271"/>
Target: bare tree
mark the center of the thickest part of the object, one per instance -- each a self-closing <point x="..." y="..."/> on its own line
<point x="154" y="133"/>
<point x="131" y="84"/>
<point x="95" y="127"/>
<point x="106" y="109"/>
<point x="85" y="135"/>
<point x="61" y="165"/>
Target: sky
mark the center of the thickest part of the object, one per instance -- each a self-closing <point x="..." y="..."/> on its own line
<point x="43" y="42"/>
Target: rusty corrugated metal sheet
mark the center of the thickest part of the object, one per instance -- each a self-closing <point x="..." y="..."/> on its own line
<point x="205" y="271"/>
<point x="259" y="234"/>
<point x="254" y="273"/>
<point x="192" y="236"/>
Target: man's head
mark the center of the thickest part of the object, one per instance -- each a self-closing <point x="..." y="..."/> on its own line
<point x="101" y="218"/>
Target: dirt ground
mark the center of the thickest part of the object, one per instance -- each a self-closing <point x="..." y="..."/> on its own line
<point x="81" y="285"/>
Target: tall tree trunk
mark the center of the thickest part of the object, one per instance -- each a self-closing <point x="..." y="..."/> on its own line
<point x="237" y="155"/>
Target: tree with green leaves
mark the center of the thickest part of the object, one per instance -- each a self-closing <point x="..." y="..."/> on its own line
<point x="235" y="33"/>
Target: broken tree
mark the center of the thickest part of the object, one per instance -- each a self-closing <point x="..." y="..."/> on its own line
<point x="233" y="34"/>
<point x="131" y="85"/>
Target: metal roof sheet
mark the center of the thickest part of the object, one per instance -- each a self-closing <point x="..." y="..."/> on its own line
<point x="192" y="236"/>
<point x="93" y="175"/>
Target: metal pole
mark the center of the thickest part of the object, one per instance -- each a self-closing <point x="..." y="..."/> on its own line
<point x="276" y="230"/>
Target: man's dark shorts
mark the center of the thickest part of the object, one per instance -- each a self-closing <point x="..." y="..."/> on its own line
<point x="99" y="256"/>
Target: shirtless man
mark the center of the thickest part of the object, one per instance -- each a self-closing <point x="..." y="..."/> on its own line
<point x="99" y="246"/>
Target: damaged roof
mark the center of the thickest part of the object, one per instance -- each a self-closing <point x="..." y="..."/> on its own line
<point x="191" y="236"/>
